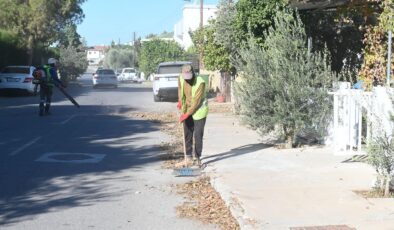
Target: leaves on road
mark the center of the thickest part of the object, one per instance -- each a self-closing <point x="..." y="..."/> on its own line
<point x="205" y="204"/>
<point x="202" y="201"/>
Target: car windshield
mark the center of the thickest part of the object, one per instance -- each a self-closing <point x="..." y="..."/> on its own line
<point x="168" y="69"/>
<point x="24" y="70"/>
<point x="129" y="70"/>
<point x="105" y="71"/>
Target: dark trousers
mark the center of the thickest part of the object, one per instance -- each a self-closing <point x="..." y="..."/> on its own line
<point x="193" y="128"/>
<point x="45" y="97"/>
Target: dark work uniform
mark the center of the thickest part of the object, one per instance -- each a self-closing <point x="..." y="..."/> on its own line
<point x="192" y="128"/>
<point x="46" y="88"/>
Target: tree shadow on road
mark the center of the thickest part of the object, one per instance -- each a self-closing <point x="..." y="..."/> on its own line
<point x="239" y="151"/>
<point x="29" y="187"/>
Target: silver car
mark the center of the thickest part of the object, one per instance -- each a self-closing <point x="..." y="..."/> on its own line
<point x="105" y="77"/>
<point x="17" y="78"/>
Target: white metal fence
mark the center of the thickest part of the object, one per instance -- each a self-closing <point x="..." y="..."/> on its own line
<point x="358" y="115"/>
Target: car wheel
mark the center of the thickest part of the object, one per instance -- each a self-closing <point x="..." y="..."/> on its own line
<point x="156" y="98"/>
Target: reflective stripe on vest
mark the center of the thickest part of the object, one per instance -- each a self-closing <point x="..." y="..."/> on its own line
<point x="202" y="111"/>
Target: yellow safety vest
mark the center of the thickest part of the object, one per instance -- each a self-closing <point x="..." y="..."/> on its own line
<point x="202" y="111"/>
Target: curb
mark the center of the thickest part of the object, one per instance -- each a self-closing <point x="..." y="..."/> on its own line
<point x="236" y="209"/>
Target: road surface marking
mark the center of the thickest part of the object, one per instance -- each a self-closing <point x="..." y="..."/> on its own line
<point x="89" y="158"/>
<point x="67" y="120"/>
<point x="20" y="149"/>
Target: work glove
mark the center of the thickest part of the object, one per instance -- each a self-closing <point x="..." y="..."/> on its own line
<point x="179" y="106"/>
<point x="183" y="117"/>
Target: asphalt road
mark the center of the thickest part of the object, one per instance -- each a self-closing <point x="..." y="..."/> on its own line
<point x="86" y="168"/>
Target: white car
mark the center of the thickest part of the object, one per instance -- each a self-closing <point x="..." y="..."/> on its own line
<point x="128" y="74"/>
<point x="17" y="78"/>
<point x="105" y="77"/>
<point x="165" y="80"/>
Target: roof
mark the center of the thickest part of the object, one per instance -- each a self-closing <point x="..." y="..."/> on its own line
<point x="98" y="48"/>
<point x="175" y="63"/>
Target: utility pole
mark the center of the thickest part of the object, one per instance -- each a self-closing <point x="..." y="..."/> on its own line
<point x="390" y="35"/>
<point x="134" y="51"/>
<point x="201" y="66"/>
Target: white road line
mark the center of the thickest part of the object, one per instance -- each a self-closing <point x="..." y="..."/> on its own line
<point x="20" y="149"/>
<point x="67" y="120"/>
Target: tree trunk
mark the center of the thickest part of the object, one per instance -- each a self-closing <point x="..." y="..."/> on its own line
<point x="382" y="182"/>
<point x="387" y="188"/>
<point x="289" y="136"/>
<point x="289" y="142"/>
<point x="225" y="85"/>
<point x="30" y="51"/>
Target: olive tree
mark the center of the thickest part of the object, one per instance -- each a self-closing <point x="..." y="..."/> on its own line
<point x="284" y="85"/>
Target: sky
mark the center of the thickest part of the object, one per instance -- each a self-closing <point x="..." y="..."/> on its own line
<point x="116" y="20"/>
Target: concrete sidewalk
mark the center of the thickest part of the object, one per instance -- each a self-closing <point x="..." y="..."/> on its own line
<point x="269" y="188"/>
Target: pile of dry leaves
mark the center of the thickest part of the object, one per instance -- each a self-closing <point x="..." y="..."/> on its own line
<point x="205" y="204"/>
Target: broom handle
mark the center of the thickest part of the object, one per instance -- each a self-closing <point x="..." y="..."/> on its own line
<point x="183" y="140"/>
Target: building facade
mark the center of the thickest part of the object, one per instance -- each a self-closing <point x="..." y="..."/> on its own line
<point x="96" y="54"/>
<point x="191" y="21"/>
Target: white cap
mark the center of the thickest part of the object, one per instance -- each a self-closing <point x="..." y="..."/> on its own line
<point x="52" y="61"/>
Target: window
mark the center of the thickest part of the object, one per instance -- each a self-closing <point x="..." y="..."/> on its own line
<point x="129" y="71"/>
<point x="105" y="71"/>
<point x="168" y="69"/>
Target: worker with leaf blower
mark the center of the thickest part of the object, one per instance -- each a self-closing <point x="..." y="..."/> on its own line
<point x="46" y="76"/>
<point x="193" y="103"/>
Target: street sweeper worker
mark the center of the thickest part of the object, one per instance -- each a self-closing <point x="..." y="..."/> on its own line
<point x="193" y="103"/>
<point x="49" y="79"/>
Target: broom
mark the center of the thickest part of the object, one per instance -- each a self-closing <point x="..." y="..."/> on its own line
<point x="186" y="171"/>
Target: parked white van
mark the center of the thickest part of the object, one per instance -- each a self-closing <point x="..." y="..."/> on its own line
<point x="165" y="80"/>
<point x="128" y="74"/>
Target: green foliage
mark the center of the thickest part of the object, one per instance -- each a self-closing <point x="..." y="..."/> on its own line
<point x="341" y="32"/>
<point x="221" y="40"/>
<point x="70" y="37"/>
<point x="216" y="56"/>
<point x="254" y="16"/>
<point x="381" y="156"/>
<point x="224" y="28"/>
<point x="155" y="51"/>
<point x="166" y="34"/>
<point x="119" y="57"/>
<point x="284" y="86"/>
<point x="373" y="71"/>
<point x="387" y="16"/>
<point x="381" y="150"/>
<point x="73" y="62"/>
<point x="39" y="21"/>
<point x="10" y="53"/>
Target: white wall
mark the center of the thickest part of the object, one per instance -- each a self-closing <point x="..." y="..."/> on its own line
<point x="95" y="56"/>
<point x="191" y="21"/>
